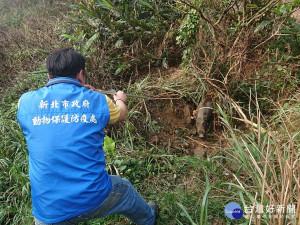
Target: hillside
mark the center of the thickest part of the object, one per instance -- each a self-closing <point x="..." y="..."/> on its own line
<point x="242" y="56"/>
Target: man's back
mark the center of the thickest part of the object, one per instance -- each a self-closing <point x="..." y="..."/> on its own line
<point x="63" y="124"/>
<point x="64" y="128"/>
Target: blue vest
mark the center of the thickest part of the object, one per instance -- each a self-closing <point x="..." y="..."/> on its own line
<point x="63" y="124"/>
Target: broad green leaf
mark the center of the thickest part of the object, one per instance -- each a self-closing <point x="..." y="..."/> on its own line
<point x="149" y="55"/>
<point x="63" y="39"/>
<point x="252" y="6"/>
<point x="70" y="37"/>
<point x="119" y="70"/>
<point x="108" y="4"/>
<point x="43" y="51"/>
<point x="118" y="43"/>
<point x="199" y="2"/>
<point x="102" y="5"/>
<point x="262" y="25"/>
<point x="89" y="43"/>
<point x="146" y="4"/>
<point x="122" y="168"/>
<point x="109" y="144"/>
<point x="39" y="72"/>
<point x="72" y="6"/>
<point x="287" y="32"/>
<point x="81" y="8"/>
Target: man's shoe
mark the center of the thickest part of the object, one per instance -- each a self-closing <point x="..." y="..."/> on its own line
<point x="154" y="206"/>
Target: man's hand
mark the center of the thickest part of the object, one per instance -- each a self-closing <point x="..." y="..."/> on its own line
<point x="120" y="99"/>
<point x="90" y="87"/>
<point x="120" y="95"/>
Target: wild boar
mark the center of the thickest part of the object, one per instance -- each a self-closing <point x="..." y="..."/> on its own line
<point x="203" y="116"/>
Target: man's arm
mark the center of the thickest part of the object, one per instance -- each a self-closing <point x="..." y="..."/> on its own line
<point x="120" y="99"/>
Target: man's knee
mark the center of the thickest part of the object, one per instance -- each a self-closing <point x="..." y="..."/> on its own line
<point x="115" y="179"/>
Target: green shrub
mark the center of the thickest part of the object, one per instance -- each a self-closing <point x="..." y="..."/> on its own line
<point x="130" y="34"/>
<point x="239" y="46"/>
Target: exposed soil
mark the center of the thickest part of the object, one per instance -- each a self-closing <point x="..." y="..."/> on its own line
<point x="177" y="130"/>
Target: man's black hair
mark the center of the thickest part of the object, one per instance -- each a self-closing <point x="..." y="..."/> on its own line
<point x="65" y="63"/>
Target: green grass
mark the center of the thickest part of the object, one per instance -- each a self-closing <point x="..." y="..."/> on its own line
<point x="189" y="190"/>
<point x="15" y="185"/>
<point x="157" y="174"/>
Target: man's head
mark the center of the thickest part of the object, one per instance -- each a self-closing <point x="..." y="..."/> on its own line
<point x="65" y="63"/>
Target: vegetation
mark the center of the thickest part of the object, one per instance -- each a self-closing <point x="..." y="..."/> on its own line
<point x="244" y="54"/>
